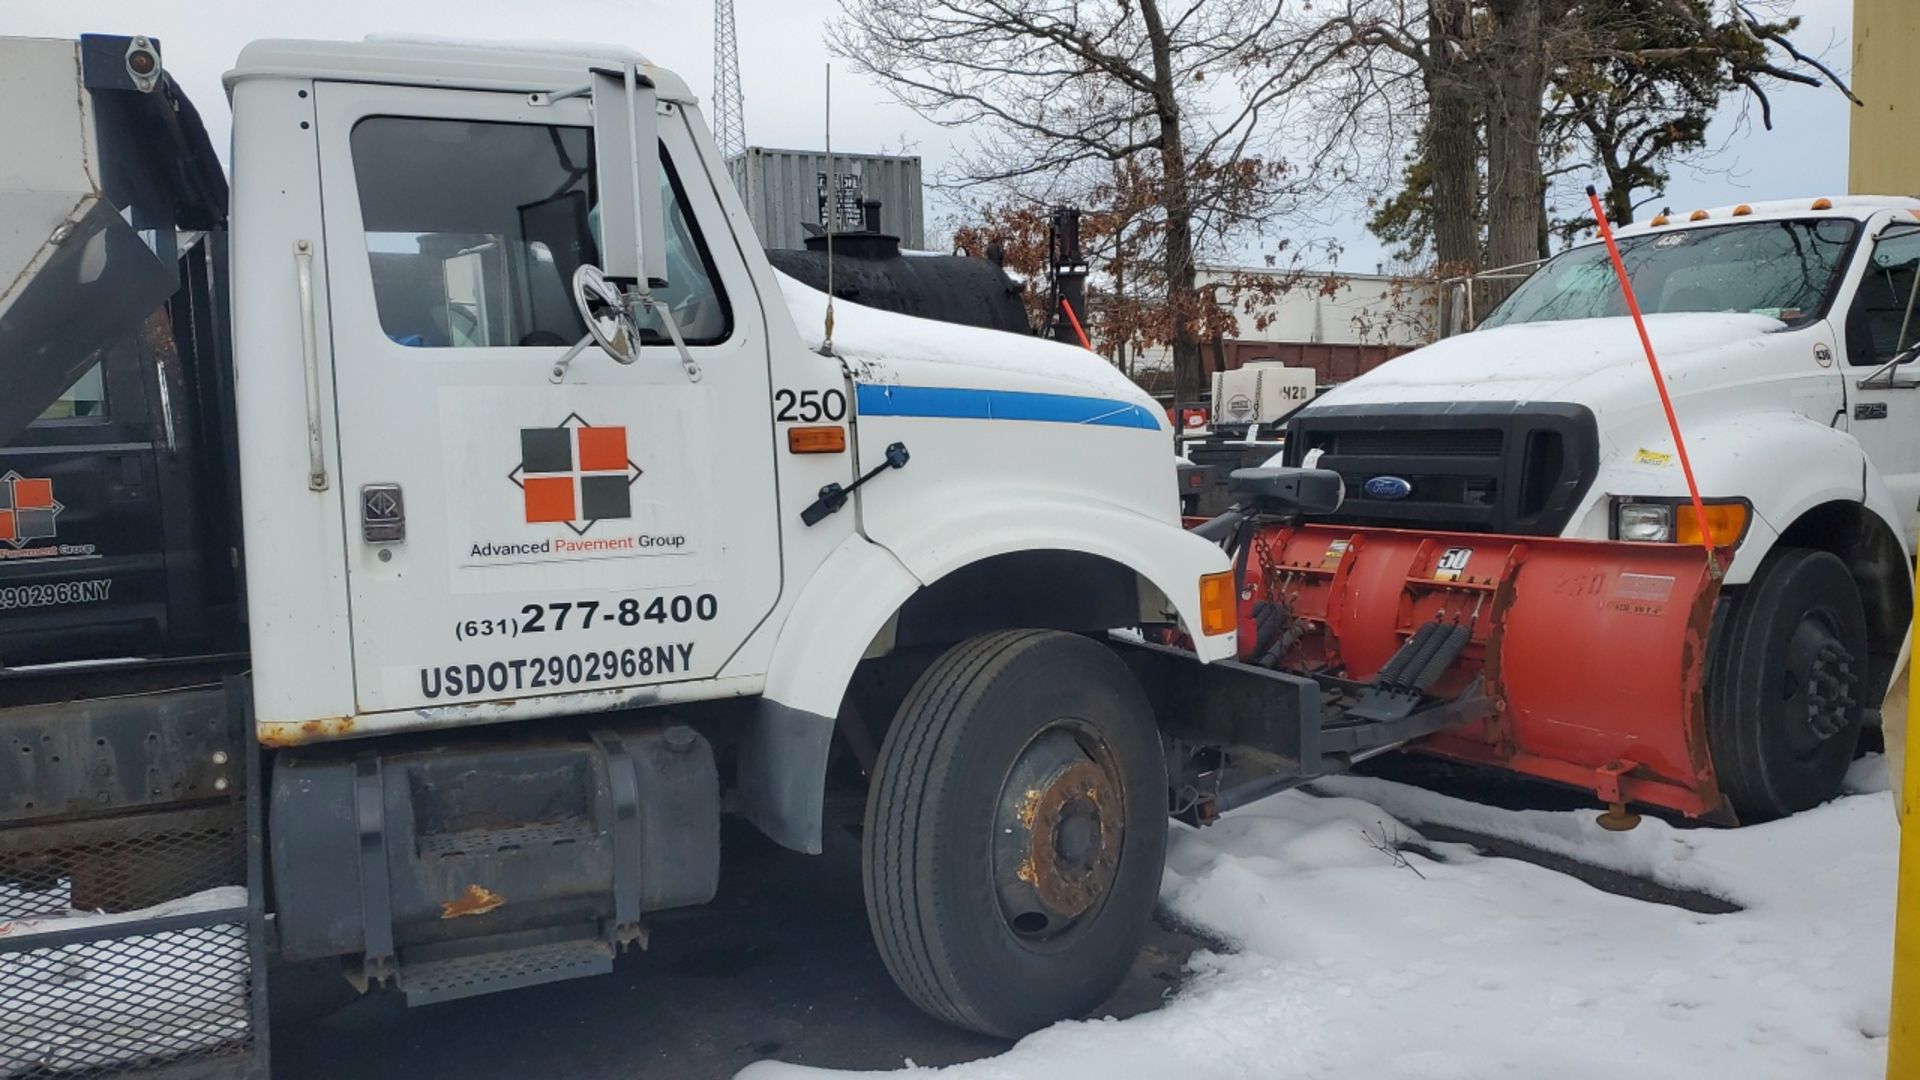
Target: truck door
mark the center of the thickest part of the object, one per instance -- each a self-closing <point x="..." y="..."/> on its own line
<point x="510" y="535"/>
<point x="1884" y="411"/>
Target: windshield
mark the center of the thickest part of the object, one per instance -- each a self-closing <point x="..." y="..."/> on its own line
<point x="1784" y="269"/>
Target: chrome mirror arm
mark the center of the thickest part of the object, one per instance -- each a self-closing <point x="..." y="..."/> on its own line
<point x="612" y="318"/>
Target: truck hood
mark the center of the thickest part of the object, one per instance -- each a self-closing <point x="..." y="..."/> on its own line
<point x="1576" y="360"/>
<point x="887" y="348"/>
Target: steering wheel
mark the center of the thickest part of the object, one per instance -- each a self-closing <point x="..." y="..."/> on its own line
<point x="604" y="311"/>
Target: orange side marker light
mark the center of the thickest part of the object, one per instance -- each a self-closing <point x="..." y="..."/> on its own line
<point x="1219" y="609"/>
<point x="830" y="439"/>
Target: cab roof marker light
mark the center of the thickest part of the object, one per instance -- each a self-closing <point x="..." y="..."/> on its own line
<point x="1698" y="215"/>
<point x="1659" y="220"/>
<point x="1823" y="204"/>
<point x="1743" y="210"/>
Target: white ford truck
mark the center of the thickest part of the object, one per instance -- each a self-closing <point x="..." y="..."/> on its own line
<point x="1787" y="332"/>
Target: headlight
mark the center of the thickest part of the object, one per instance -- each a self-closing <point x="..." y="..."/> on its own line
<point x="1645" y="522"/>
<point x="1674" y="521"/>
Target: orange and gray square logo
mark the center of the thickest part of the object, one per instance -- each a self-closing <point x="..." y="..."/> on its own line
<point x="27" y="509"/>
<point x="575" y="474"/>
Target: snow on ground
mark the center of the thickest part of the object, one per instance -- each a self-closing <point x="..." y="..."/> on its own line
<point x="1350" y="963"/>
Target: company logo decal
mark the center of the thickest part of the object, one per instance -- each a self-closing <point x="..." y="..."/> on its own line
<point x="1387" y="487"/>
<point x="28" y="510"/>
<point x="575" y="474"/>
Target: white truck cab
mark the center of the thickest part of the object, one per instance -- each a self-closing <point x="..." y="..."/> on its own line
<point x="481" y="519"/>
<point x="1786" y="334"/>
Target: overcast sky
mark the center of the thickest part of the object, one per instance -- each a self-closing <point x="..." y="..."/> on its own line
<point x="783" y="57"/>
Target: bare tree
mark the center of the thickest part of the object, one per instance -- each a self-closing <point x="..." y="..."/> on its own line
<point x="1486" y="67"/>
<point x="1057" y="93"/>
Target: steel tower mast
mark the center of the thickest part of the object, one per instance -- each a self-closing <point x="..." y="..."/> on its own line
<point x="729" y="115"/>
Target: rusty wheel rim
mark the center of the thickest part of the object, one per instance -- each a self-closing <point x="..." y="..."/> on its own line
<point x="1058" y="826"/>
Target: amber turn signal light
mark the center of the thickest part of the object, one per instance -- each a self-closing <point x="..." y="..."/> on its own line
<point x="817" y="440"/>
<point x="1219" y="613"/>
<point x="1726" y="521"/>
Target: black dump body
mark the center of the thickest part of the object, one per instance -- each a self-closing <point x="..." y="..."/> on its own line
<point x="124" y="782"/>
<point x="869" y="269"/>
<point x="119" y="534"/>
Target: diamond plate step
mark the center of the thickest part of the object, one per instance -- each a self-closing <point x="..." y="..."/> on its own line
<point x="433" y="981"/>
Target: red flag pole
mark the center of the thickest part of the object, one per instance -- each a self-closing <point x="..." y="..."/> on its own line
<point x="1659" y="380"/>
<point x="1074" y="321"/>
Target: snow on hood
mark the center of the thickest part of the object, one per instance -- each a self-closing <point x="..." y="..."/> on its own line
<point x="1540" y="361"/>
<point x="869" y="336"/>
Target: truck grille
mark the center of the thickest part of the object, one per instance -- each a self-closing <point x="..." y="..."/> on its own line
<point x="1505" y="467"/>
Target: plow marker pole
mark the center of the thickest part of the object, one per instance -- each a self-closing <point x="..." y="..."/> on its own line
<point x="1659" y="380"/>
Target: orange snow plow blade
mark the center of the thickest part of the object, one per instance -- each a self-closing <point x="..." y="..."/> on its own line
<point x="1588" y="655"/>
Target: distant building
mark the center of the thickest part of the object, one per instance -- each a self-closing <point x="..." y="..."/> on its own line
<point x="1884" y="154"/>
<point x="1339" y="324"/>
<point x="787" y="192"/>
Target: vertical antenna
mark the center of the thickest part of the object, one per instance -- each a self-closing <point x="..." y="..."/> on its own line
<point x="830" y="209"/>
<point x="729" y="105"/>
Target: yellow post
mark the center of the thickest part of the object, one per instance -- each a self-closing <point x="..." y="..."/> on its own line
<point x="1884" y="156"/>
<point x="1903" y="1031"/>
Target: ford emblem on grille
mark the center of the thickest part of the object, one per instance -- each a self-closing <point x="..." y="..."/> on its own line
<point x="1387" y="487"/>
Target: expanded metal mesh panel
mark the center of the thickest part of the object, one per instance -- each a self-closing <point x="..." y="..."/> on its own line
<point x="125" y="946"/>
<point x="115" y="1007"/>
<point x="99" y="871"/>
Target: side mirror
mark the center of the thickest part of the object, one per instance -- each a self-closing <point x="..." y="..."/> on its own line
<point x="1290" y="490"/>
<point x="626" y="147"/>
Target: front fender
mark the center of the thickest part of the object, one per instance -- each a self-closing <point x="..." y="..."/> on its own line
<point x="956" y="533"/>
<point x="1784" y="463"/>
<point x="860" y="586"/>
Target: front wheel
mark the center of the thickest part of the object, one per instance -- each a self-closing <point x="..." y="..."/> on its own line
<point x="1784" y="698"/>
<point x="1015" y="831"/>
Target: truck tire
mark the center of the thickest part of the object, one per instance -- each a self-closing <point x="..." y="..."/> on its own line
<point x="1783" y="697"/>
<point x="1015" y="831"/>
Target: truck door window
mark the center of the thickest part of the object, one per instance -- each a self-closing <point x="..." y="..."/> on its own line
<point x="85" y="400"/>
<point x="474" y="230"/>
<point x="1879" y="325"/>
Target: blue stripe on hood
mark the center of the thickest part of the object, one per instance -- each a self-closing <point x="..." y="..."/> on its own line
<point x="969" y="403"/>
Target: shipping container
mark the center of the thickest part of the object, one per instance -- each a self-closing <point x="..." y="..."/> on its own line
<point x="785" y="191"/>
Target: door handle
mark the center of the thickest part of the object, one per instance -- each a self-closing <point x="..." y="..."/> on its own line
<point x="383" y="514"/>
